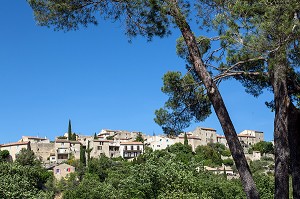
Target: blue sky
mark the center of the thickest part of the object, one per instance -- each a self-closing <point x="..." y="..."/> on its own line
<point x="96" y="78"/>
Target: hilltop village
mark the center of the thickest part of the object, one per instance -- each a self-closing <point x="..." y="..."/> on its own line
<point x="120" y="143"/>
<point x="124" y="164"/>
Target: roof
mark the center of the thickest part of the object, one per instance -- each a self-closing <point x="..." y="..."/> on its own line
<point x="34" y="138"/>
<point x="101" y="140"/>
<point x="191" y="137"/>
<point x="243" y="135"/>
<point x="63" y="165"/>
<point x="67" y="141"/>
<point x="15" y="144"/>
<point x="131" y="143"/>
<point x="205" y="128"/>
<point x="220" y="136"/>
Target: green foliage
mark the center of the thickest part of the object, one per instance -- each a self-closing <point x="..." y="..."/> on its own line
<point x="99" y="166"/>
<point x="20" y="182"/>
<point x="263" y="147"/>
<point x="111" y="137"/>
<point x="187" y="101"/>
<point x="62" y="137"/>
<point x="95" y="137"/>
<point x="26" y="157"/>
<point x="181" y="153"/>
<point x="82" y="155"/>
<point x="4" y="156"/>
<point x="88" y="151"/>
<point x="208" y="155"/>
<point x="259" y="166"/>
<point x="139" y="138"/>
<point x="74" y="136"/>
<point x="146" y="18"/>
<point x="186" y="142"/>
<point x="228" y="162"/>
<point x="169" y="173"/>
<point x="70" y="135"/>
<point x="265" y="185"/>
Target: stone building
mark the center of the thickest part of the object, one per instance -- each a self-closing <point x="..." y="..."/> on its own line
<point x="129" y="150"/>
<point x="62" y="171"/>
<point x="159" y="142"/>
<point x="65" y="148"/>
<point x="15" y="148"/>
<point x="43" y="150"/>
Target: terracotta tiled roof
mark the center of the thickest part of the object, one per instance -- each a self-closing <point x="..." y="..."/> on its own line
<point x="190" y="137"/>
<point x="244" y="135"/>
<point x="205" y="128"/>
<point x="133" y="143"/>
<point x="67" y="141"/>
<point x="101" y="140"/>
<point x="15" y="144"/>
<point x="34" y="138"/>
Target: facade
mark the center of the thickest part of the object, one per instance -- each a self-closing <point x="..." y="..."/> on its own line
<point x="129" y="150"/>
<point x="100" y="147"/>
<point x="62" y="171"/>
<point x="114" y="149"/>
<point x="247" y="138"/>
<point x="159" y="142"/>
<point x="43" y="150"/>
<point x="206" y="135"/>
<point x="222" y="140"/>
<point x="118" y="135"/>
<point x="15" y="148"/>
<point x="64" y="148"/>
<point x="193" y="141"/>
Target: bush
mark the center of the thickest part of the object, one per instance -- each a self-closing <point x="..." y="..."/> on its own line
<point x="228" y="162"/>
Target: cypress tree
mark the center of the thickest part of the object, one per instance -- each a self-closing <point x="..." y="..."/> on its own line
<point x="186" y="142"/>
<point x="73" y="136"/>
<point x="95" y="136"/>
<point x="82" y="156"/>
<point x="70" y="131"/>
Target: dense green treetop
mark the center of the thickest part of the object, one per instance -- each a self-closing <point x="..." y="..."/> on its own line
<point x="187" y="101"/>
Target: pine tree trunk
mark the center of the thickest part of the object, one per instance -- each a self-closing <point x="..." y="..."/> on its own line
<point x="217" y="102"/>
<point x="281" y="131"/>
<point x="294" y="143"/>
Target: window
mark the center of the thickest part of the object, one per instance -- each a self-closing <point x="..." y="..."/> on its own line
<point x="57" y="171"/>
<point x="99" y="147"/>
<point x="158" y="145"/>
<point x="125" y="147"/>
<point x="138" y="148"/>
<point x="132" y="148"/>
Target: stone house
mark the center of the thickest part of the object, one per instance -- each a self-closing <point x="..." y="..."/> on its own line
<point x="159" y="142"/>
<point x="62" y="171"/>
<point x="15" y="148"/>
<point x="129" y="150"/>
<point x="65" y="148"/>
